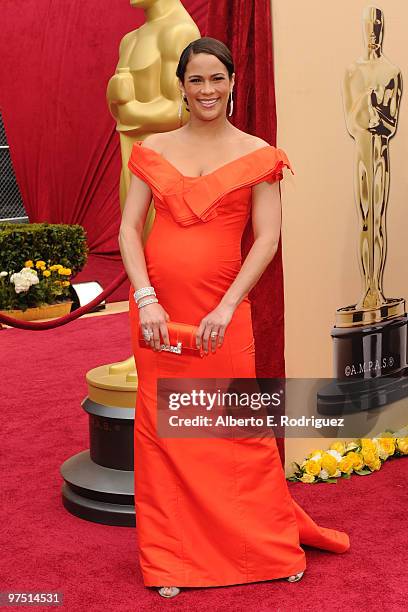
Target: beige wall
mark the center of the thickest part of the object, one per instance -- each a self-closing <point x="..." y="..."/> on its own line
<point x="314" y="42"/>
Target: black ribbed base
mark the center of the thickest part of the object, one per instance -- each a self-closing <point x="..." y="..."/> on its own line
<point x="342" y="397"/>
<point x="97" y="493"/>
<point x="370" y="351"/>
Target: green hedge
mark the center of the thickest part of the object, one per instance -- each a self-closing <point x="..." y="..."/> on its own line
<point x="53" y="243"/>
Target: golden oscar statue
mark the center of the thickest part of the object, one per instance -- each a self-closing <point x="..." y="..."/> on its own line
<point x="143" y="94"/>
<point x="372" y="91"/>
<point x="370" y="336"/>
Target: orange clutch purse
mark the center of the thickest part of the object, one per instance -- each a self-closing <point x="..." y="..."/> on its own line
<point x="182" y="339"/>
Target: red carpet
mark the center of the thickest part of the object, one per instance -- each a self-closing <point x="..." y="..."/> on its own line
<point x="44" y="548"/>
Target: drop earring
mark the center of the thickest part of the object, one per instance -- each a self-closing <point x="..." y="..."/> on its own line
<point x="231" y="105"/>
<point x="180" y="108"/>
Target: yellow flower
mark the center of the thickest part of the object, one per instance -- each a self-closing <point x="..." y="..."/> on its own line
<point x="358" y="460"/>
<point x="338" y="446"/>
<point x="40" y="264"/>
<point x="346" y="464"/>
<point x="402" y="445"/>
<point x="329" y="463"/>
<point x="374" y="465"/>
<point x="46" y="273"/>
<point x="367" y="444"/>
<point x="64" y="271"/>
<point x="369" y="456"/>
<point x="315" y="451"/>
<point x="29" y="264"/>
<point x="55" y="267"/>
<point x="65" y="283"/>
<point x="386" y="446"/>
<point x="313" y="467"/>
<point x="307" y="478"/>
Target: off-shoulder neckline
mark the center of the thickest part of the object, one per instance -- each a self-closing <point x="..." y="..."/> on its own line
<point x="226" y="165"/>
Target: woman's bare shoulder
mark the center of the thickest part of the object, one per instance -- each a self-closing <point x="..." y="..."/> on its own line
<point x="158" y="141"/>
<point x="254" y="142"/>
<point x="250" y="142"/>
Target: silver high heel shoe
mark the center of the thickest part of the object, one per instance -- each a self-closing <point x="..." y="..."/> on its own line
<point x="173" y="591"/>
<point x="295" y="577"/>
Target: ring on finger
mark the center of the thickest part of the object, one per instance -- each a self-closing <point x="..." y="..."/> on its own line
<point x="147" y="334"/>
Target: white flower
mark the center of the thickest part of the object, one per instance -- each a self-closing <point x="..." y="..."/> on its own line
<point x="335" y="454"/>
<point x="323" y="474"/>
<point x="317" y="455"/>
<point x="28" y="271"/>
<point x="337" y="474"/>
<point x="3" y="273"/>
<point x="23" y="281"/>
<point x="20" y="286"/>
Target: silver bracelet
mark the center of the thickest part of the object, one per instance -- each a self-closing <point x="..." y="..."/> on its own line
<point x="143" y="292"/>
<point x="150" y="300"/>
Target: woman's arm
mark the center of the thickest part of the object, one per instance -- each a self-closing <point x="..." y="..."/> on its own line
<point x="131" y="230"/>
<point x="266" y="224"/>
<point x="130" y="240"/>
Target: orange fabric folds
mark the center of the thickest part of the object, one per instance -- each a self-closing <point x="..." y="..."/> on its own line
<point x="192" y="199"/>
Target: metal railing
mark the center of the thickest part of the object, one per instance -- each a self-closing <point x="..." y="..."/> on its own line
<point x="11" y="203"/>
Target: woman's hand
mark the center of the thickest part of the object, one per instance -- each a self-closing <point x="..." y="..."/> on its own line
<point x="215" y="322"/>
<point x="154" y="318"/>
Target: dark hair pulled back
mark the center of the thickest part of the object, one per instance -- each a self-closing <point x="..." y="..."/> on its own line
<point x="212" y="46"/>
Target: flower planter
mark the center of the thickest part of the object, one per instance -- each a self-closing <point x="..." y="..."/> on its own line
<point x="47" y="311"/>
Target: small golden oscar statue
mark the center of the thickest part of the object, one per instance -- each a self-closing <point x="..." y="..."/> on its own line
<point x="370" y="337"/>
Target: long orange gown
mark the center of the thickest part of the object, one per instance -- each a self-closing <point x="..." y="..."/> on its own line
<point x="209" y="512"/>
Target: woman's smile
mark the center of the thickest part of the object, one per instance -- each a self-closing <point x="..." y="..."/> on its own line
<point x="208" y="103"/>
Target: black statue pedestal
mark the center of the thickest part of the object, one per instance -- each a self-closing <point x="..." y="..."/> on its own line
<point x="370" y="367"/>
<point x="99" y="483"/>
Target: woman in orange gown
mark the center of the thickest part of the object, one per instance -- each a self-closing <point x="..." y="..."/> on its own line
<point x="209" y="512"/>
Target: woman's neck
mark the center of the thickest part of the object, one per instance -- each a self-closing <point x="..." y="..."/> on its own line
<point x="208" y="130"/>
